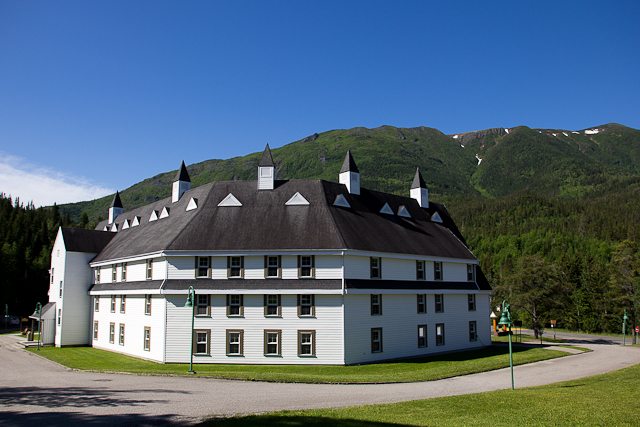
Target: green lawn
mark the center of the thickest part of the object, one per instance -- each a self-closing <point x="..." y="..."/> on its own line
<point x="423" y="369"/>
<point x="603" y="400"/>
<point x="523" y="338"/>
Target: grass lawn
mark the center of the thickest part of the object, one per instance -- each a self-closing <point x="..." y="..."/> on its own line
<point x="603" y="400"/>
<point x="423" y="369"/>
<point x="524" y="338"/>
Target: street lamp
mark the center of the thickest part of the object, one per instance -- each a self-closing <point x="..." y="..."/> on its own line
<point x="505" y="320"/>
<point x="39" y="313"/>
<point x="624" y="324"/>
<point x="191" y="302"/>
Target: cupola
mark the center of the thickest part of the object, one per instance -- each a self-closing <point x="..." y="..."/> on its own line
<point x="181" y="183"/>
<point x="116" y="208"/>
<point x="266" y="171"/>
<point x="419" y="190"/>
<point x="349" y="174"/>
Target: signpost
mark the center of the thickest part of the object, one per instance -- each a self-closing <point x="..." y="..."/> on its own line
<point x="553" y="326"/>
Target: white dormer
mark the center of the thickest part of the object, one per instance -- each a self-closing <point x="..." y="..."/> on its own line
<point x="181" y="183"/>
<point x="114" y="227"/>
<point x="125" y="224"/>
<point x="436" y="217"/>
<point x="386" y="209"/>
<point x="136" y="221"/>
<point x="154" y="215"/>
<point x="230" y="200"/>
<point x="341" y="201"/>
<point x="297" y="200"/>
<point x="165" y="212"/>
<point x="266" y="171"/>
<point x="403" y="212"/>
<point x="193" y="204"/>
<point x="349" y="174"/>
<point x="419" y="190"/>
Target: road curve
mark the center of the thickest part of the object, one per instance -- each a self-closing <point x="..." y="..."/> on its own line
<point x="33" y="389"/>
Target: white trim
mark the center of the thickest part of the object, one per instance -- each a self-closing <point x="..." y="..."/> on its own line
<point x="125" y="224"/>
<point x="114" y="228"/>
<point x="287" y="291"/>
<point x="154" y="215"/>
<point x="140" y="257"/>
<point x="297" y="200"/>
<point x="126" y="292"/>
<point x="416" y="291"/>
<point x="136" y="221"/>
<point x="230" y="200"/>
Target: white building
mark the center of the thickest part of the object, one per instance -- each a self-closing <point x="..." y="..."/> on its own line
<point x="285" y="272"/>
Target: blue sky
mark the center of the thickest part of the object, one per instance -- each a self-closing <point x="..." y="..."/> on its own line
<point x="96" y="96"/>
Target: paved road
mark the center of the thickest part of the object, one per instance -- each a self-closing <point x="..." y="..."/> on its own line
<point x="34" y="390"/>
<point x="578" y="339"/>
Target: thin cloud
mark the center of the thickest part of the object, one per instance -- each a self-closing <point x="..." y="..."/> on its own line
<point x="44" y="186"/>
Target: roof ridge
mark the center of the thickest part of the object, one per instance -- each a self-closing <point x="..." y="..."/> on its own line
<point x="328" y="209"/>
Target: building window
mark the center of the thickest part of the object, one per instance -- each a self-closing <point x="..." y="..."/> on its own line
<point x="201" y="342"/>
<point x="96" y="303"/>
<point x="439" y="303"/>
<point x="272" y="266"/>
<point x="98" y="274"/>
<point x="203" y="264"/>
<point x="59" y="316"/>
<point x="234" y="342"/>
<point x="122" y="303"/>
<point x="422" y="303"/>
<point x="95" y="330"/>
<point x="272" y="305"/>
<point x="61" y="289"/>
<point x="52" y="276"/>
<point x="272" y="343"/>
<point x="306" y="343"/>
<point x="149" y="268"/>
<point x="376" y="340"/>
<point x="376" y="304"/>
<point x="437" y="271"/>
<point x="147" y="305"/>
<point x="472" y="302"/>
<point x="440" y="334"/>
<point x="306" y="266"/>
<point x="422" y="336"/>
<point x="114" y="272"/>
<point x="471" y="273"/>
<point x="112" y="332"/>
<point x="235" y="305"/>
<point x="376" y="268"/>
<point x="121" y="335"/>
<point x="123" y="274"/>
<point x="306" y="306"/>
<point x="203" y="308"/>
<point x="113" y="303"/>
<point x="473" y="335"/>
<point x="147" y="339"/>
<point x="420" y="270"/>
<point x="235" y="267"/>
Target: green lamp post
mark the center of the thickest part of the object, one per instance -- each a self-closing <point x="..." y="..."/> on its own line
<point x="624" y="324"/>
<point x="39" y="313"/>
<point x="191" y="302"/>
<point x="505" y="320"/>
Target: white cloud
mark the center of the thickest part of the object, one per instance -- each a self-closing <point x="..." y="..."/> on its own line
<point x="44" y="186"/>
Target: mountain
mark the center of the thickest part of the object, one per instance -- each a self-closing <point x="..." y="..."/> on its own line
<point x="490" y="163"/>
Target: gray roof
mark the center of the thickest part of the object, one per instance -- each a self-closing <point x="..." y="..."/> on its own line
<point x="418" y="182"/>
<point x="116" y="202"/>
<point x="349" y="165"/>
<point x="127" y="286"/>
<point x="266" y="159"/>
<point x="252" y="284"/>
<point x="48" y="306"/>
<point x="182" y="174"/>
<point x="83" y="240"/>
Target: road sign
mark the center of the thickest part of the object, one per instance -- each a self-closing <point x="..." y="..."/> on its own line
<point x="637" y="329"/>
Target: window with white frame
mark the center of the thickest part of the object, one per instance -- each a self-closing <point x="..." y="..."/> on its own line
<point x="52" y="276"/>
<point x="123" y="302"/>
<point x="60" y="288"/>
<point x="114" y="272"/>
<point x="471" y="272"/>
<point x="201" y="342"/>
<point x="439" y="298"/>
<point x="306" y="343"/>
<point x="149" y="269"/>
<point x="472" y="302"/>
<point x="376" y="268"/>
<point x="203" y="307"/>
<point x="235" y="267"/>
<point x="96" y="303"/>
<point x="437" y="270"/>
<point x="98" y="269"/>
<point x="306" y="306"/>
<point x="422" y="303"/>
<point x="272" y="344"/>
<point x="376" y="304"/>
<point x="113" y="303"/>
<point x="376" y="340"/>
<point x="440" y="334"/>
<point x="112" y="332"/>
<point x="59" y="316"/>
<point x="204" y="262"/>
<point x="473" y="335"/>
<point x="420" y="270"/>
<point x="272" y="305"/>
<point x="147" y="305"/>
<point x="234" y="342"/>
<point x="422" y="336"/>
<point x="272" y="266"/>
<point x="95" y="330"/>
<point x="123" y="273"/>
<point x="306" y="266"/>
<point x="235" y="305"/>
<point x="121" y="335"/>
<point x="147" y="338"/>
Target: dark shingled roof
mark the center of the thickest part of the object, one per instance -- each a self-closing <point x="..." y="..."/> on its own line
<point x="418" y="182"/>
<point x="82" y="240"/>
<point x="266" y="159"/>
<point x="182" y="174"/>
<point x="408" y="284"/>
<point x="127" y="286"/>
<point x="48" y="306"/>
<point x="252" y="284"/>
<point x="349" y="165"/>
<point x="116" y="202"/>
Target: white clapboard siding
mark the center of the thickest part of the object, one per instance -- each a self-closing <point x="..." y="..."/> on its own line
<point x="178" y="328"/>
<point x="159" y="269"/>
<point x="76" y="304"/>
<point x="328" y="267"/>
<point x="398" y="269"/>
<point x="136" y="271"/>
<point x="58" y="256"/>
<point x="454" y="272"/>
<point x="358" y="267"/>
<point x="181" y="267"/>
<point x="399" y="322"/>
<point x="218" y="267"/>
<point x="289" y="267"/>
<point x="135" y="320"/>
<point x="254" y="267"/>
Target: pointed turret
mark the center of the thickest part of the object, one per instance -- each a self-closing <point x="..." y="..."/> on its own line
<point x="350" y="175"/>
<point x="266" y="171"/>
<point x="419" y="190"/>
<point x="181" y="183"/>
<point x="116" y="208"/>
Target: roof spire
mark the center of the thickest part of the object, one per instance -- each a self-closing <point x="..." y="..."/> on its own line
<point x="266" y="171"/>
<point x="116" y="208"/>
<point x="116" y="202"/>
<point x="182" y="174"/>
<point x="266" y="160"/>
<point x="181" y="183"/>
<point x="418" y="182"/>
<point x="419" y="190"/>
<point x="349" y="174"/>
<point x="349" y="165"/>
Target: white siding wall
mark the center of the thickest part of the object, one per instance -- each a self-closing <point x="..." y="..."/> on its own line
<point x="135" y="321"/>
<point x="398" y="269"/>
<point x="218" y="267"/>
<point x="159" y="269"/>
<point x="289" y="266"/>
<point x="182" y="267"/>
<point x="328" y="267"/>
<point x="358" y="267"/>
<point x="254" y="267"/>
<point x="58" y="256"/>
<point x="76" y="304"/>
<point x="399" y="322"/>
<point x="136" y="271"/>
<point x="454" y="272"/>
<point x="327" y="324"/>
